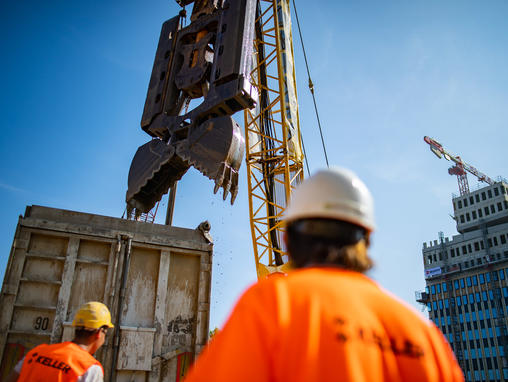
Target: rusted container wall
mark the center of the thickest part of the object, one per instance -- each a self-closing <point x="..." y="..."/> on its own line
<point x="155" y="279"/>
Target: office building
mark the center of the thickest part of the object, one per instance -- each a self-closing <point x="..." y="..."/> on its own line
<point x="466" y="277"/>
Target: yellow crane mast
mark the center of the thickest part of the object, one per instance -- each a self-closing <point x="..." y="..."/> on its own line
<point x="234" y="55"/>
<point x="274" y="154"/>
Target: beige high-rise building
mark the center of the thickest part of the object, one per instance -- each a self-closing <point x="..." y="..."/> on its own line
<point x="466" y="276"/>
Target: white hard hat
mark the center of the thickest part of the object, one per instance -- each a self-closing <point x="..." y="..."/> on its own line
<point x="334" y="193"/>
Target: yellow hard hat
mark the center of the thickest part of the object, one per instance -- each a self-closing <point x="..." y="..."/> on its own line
<point x="93" y="315"/>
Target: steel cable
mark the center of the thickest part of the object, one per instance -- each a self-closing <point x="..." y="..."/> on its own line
<point x="311" y="85"/>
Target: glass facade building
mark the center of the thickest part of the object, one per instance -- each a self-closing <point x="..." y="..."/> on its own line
<point x="466" y="291"/>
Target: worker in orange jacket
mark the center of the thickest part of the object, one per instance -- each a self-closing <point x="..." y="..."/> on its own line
<point x="326" y="320"/>
<point x="70" y="361"/>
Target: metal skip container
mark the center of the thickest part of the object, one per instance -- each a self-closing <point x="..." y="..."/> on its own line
<point x="155" y="279"/>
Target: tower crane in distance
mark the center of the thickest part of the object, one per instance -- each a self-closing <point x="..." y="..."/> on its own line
<point x="460" y="168"/>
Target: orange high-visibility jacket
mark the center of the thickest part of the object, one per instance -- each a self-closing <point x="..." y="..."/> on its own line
<point x="325" y="324"/>
<point x="60" y="362"/>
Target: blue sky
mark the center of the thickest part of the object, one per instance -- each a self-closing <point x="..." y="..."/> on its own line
<point x="74" y="77"/>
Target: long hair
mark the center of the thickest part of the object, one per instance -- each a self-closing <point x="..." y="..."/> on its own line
<point x="328" y="242"/>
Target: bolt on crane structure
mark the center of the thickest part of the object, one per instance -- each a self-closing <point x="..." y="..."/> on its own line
<point x="460" y="168"/>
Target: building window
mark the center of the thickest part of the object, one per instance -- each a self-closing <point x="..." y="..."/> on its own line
<point x="459" y="204"/>
<point x="492" y="209"/>
<point x="499" y="207"/>
<point x="476" y="246"/>
<point x="465" y="202"/>
<point x="468" y="281"/>
<point x="495" y="240"/>
<point x="462" y="285"/>
<point x="477" y="198"/>
<point x="466" y="264"/>
<point x="434" y="305"/>
<point x="464" y="249"/>
<point x="469" y="249"/>
<point x="457" y="300"/>
<point x="480" y="214"/>
<point x="506" y="205"/>
<point x="452" y="252"/>
<point x="489" y="192"/>
<point x="484" y="197"/>
<point x="440" y="304"/>
<point x="464" y="302"/>
<point x="503" y="239"/>
<point x="475" y="280"/>
<point x="433" y="289"/>
<point x="471" y="200"/>
<point x="444" y="287"/>
<point x="489" y="242"/>
<point x="429" y="307"/>
<point x="481" y="245"/>
<point x="487" y="277"/>
<point x="438" y="288"/>
<point x="501" y="274"/>
<point x="474" y="214"/>
<point x="482" y="278"/>
<point x="429" y="259"/>
<point x="486" y="209"/>
<point x="468" y="218"/>
<point x="456" y="284"/>
<point x="462" y="218"/>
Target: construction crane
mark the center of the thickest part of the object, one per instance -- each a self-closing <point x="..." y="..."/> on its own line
<point x="234" y="55"/>
<point x="460" y="169"/>
<point x="274" y="153"/>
